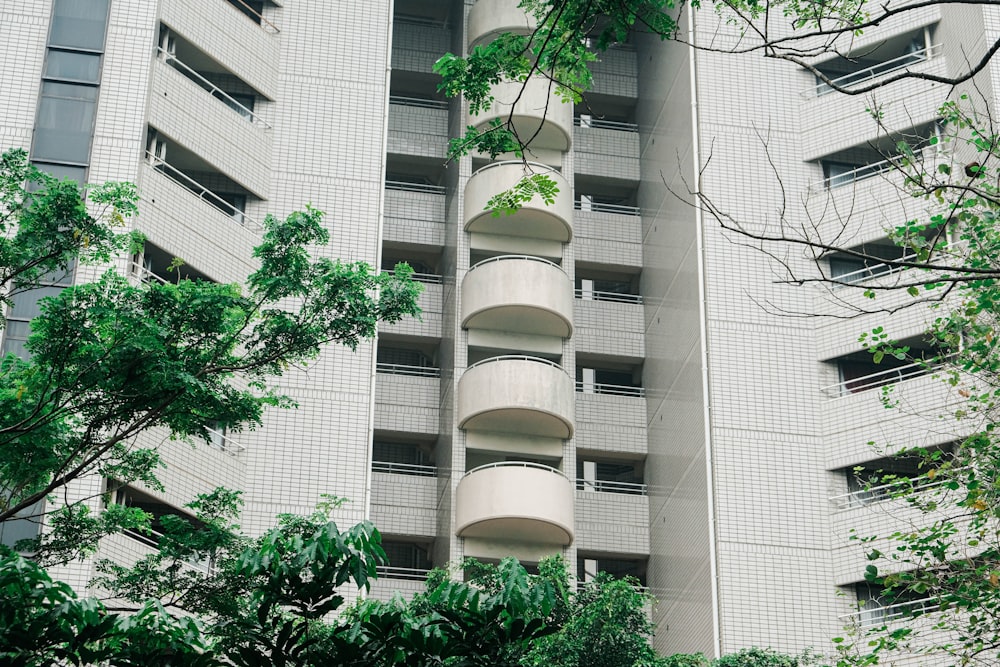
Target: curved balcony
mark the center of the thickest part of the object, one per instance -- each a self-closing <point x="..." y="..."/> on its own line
<point x="539" y="116"/>
<point x="535" y="219"/>
<point x="518" y="501"/>
<point x="488" y="19"/>
<point x="520" y="294"/>
<point x="517" y="394"/>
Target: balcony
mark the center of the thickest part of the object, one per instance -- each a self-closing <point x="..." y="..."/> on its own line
<point x="488" y="19"/>
<point x="539" y="116"/>
<point x="518" y="293"/>
<point x="606" y="148"/>
<point x="247" y="48"/>
<point x="418" y="127"/>
<point x="535" y="219"/>
<point x="517" y="394"/>
<point x="515" y="501"/>
<point x="225" y="134"/>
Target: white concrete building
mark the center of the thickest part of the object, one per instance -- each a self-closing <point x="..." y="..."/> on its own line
<point x="595" y="378"/>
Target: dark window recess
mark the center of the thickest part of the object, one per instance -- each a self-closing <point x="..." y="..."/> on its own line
<point x="79" y="24"/>
<point x="244" y="103"/>
<point x="401" y="356"/>
<point x="159" y="510"/>
<point x="155" y="261"/>
<point x="398" y="452"/>
<point x="855" y="370"/>
<point x="65" y="122"/>
<point x="27" y="305"/>
<point x="588" y="568"/>
<point x="628" y="473"/>
<point x="26" y="528"/>
<point x="252" y="9"/>
<point x="407" y="555"/>
<point x="873" y="601"/>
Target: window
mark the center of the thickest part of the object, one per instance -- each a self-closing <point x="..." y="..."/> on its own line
<point x="65" y="122"/>
<point x="620" y="382"/>
<point x="610" y="476"/>
<point x="878" y="607"/>
<point x="79" y="24"/>
<point x="27" y="305"/>
<point x="158" y="509"/>
<point x="588" y="567"/>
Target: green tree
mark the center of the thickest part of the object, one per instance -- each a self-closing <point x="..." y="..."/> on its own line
<point x="111" y="359"/>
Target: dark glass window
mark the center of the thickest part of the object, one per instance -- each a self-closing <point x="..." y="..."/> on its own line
<point x="65" y="122"/>
<point x="73" y="66"/>
<point x="79" y="24"/>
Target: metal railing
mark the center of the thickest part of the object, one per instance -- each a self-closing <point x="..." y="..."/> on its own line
<point x="152" y="539"/>
<point x="270" y="27"/>
<point x="429" y="278"/>
<point x="404" y="468"/>
<point x="525" y="258"/>
<point x="877" y="494"/>
<point x="406" y="186"/>
<point x="607" y="486"/>
<point x="533" y="167"/>
<point x="869" y="74"/>
<point x="863" y="275"/>
<point x="854" y="175"/>
<point x="143" y="274"/>
<point x="611" y="389"/>
<point x="598" y="124"/>
<point x="597" y="295"/>
<point x="405" y="573"/>
<point x="196" y="188"/>
<point x="419" y="102"/>
<point x="516" y="357"/>
<point x="597" y="207"/>
<point x="882" y="378"/>
<point x="240" y="109"/>
<point x="874" y="616"/>
<point x="517" y="464"/>
<point x="224" y="443"/>
<point x="403" y="369"/>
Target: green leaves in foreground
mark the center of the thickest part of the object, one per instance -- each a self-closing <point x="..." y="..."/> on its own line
<point x="510" y="201"/>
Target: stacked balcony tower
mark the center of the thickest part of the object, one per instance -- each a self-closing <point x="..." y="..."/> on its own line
<point x="595" y="377"/>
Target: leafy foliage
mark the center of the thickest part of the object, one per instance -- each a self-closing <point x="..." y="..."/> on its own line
<point x="111" y="359"/>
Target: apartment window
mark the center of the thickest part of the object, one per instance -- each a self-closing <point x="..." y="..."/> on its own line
<point x="73" y="66"/>
<point x="27" y="305"/>
<point x="588" y="567"/>
<point x="65" y="122"/>
<point x="252" y="9"/>
<point x="156" y="508"/>
<point x="79" y="24"/>
<point x="607" y="476"/>
<point x="407" y="555"/>
<point x="877" y="606"/>
<point x="622" y="382"/>
<point x="25" y="528"/>
<point x="403" y="458"/>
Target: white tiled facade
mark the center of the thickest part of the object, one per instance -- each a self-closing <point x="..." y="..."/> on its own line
<point x="698" y="449"/>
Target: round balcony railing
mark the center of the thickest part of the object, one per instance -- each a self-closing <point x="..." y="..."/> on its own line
<point x="488" y="19"/>
<point x="535" y="218"/>
<point x="518" y="294"/>
<point x="517" y="394"/>
<point x="515" y="501"/>
<point x="539" y="115"/>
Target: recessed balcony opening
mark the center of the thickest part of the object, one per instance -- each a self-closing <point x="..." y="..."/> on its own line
<point x="425" y="261"/>
<point x="516" y="501"/>
<point x="598" y="474"/>
<point x="156" y="264"/>
<point x="864" y="66"/>
<point x="407" y="356"/>
<point x="599" y="283"/>
<point x="518" y="294"/>
<point x="478" y="458"/>
<point x="190" y="171"/>
<point x="879" y="158"/>
<point x="517" y="394"/>
<point x="882" y="479"/>
<point x="877" y="606"/>
<point x="857" y="372"/>
<point x="603" y="195"/>
<point x="423" y="12"/>
<point x="159" y="510"/>
<point x="606" y="109"/>
<point x="208" y="74"/>
<point x="596" y="375"/>
<point x="409" y="173"/>
<point x="416" y="89"/>
<point x="409" y="558"/>
<point x="589" y="565"/>
<point x="403" y="455"/>
<point x="26" y="526"/>
<point x="258" y="11"/>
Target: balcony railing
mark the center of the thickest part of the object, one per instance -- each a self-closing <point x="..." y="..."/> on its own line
<point x="222" y="442"/>
<point x="143" y="274"/>
<point x="882" y="378"/>
<point x="599" y="124"/>
<point x="404" y="469"/>
<point x="429" y="278"/>
<point x="405" y="573"/>
<point x="516" y="357"/>
<point x="877" y="494"/>
<point x="869" y="74"/>
<point x="196" y="188"/>
<point x="152" y="539"/>
<point x="597" y="295"/>
<point x="500" y="258"/>
<point x="255" y="16"/>
<point x="412" y="371"/>
<point x="605" y="486"/>
<point x="224" y="97"/>
<point x="406" y="186"/>
<point x="596" y="207"/>
<point x="417" y="102"/>
<point x="612" y="389"/>
<point x="874" y="616"/>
